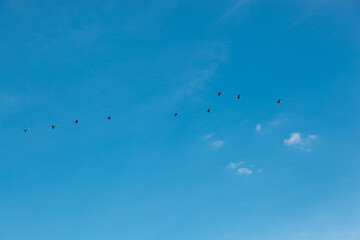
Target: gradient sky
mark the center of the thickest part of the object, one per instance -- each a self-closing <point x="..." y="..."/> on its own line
<point x="251" y="169"/>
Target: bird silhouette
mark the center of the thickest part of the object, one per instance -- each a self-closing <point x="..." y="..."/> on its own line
<point x="208" y="110"/>
<point x="53" y="126"/>
<point x="25" y="129"/>
<point x="238" y="96"/>
<point x="176" y="114"/>
<point x="76" y="121"/>
<point x="278" y="101"/>
<point x="109" y="118"/>
<point x="219" y="93"/>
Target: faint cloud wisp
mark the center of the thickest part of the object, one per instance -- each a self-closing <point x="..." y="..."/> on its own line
<point x="207" y="136"/>
<point x="218" y="144"/>
<point x="277" y="122"/>
<point x="232" y="10"/>
<point x="270" y="124"/>
<point x="234" y="165"/>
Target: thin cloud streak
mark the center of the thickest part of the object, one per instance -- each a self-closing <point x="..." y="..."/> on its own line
<point x="314" y="7"/>
<point x="232" y="10"/>
<point x="270" y="124"/>
<point x="277" y="122"/>
<point x="203" y="61"/>
<point x="207" y="136"/>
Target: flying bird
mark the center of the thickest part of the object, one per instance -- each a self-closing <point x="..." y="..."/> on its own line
<point x="219" y="93"/>
<point x="53" y="126"/>
<point x="109" y="118"/>
<point x="25" y="129"/>
<point x="208" y="110"/>
<point x="238" y="96"/>
<point x="176" y="114"/>
<point x="278" y="101"/>
<point x="76" y="121"/>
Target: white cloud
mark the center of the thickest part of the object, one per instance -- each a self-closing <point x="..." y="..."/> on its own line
<point x="218" y="144"/>
<point x="234" y="165"/>
<point x="297" y="139"/>
<point x="207" y="136"/>
<point x="258" y="127"/>
<point x="244" y="171"/>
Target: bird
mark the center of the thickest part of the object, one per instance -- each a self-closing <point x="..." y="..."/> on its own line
<point x="76" y="121"/>
<point x="238" y="96"/>
<point x="176" y="114"/>
<point x="208" y="110"/>
<point x="53" y="126"/>
<point x="109" y="118"/>
<point x="25" y="129"/>
<point x="278" y="101"/>
<point x="219" y="93"/>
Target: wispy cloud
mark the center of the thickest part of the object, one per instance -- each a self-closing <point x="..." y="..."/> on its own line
<point x="215" y="144"/>
<point x="207" y="136"/>
<point x="232" y="10"/>
<point x="202" y="61"/>
<point x="312" y="9"/>
<point x="312" y="136"/>
<point x="9" y="99"/>
<point x="240" y="169"/>
<point x="270" y="124"/>
<point x="205" y="57"/>
<point x="244" y="171"/>
<point x="218" y="144"/>
<point x="234" y="165"/>
<point x="277" y="121"/>
<point x="297" y="139"/>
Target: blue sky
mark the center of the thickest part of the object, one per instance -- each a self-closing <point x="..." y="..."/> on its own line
<point x="250" y="169"/>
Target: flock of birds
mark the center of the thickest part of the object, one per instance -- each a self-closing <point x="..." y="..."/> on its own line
<point x="219" y="94"/>
<point x="176" y="114"/>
